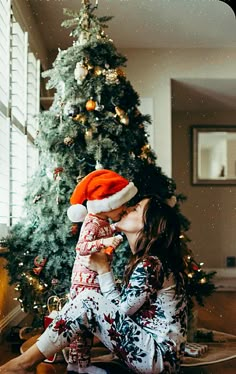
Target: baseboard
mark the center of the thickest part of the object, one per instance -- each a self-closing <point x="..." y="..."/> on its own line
<point x="13" y="318"/>
<point x="225" y="278"/>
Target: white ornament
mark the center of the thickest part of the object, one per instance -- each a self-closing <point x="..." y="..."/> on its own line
<point x="83" y="38"/>
<point x="98" y="165"/>
<point x="80" y="73"/>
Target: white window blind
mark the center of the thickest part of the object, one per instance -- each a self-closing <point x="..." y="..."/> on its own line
<point x="33" y="91"/>
<point x="19" y="73"/>
<point x="18" y="138"/>
<point x="18" y="172"/>
<point x="4" y="169"/>
<point x="5" y="8"/>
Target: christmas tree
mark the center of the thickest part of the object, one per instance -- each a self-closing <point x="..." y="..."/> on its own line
<point x="93" y="123"/>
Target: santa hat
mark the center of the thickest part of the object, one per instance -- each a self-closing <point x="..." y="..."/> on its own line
<point x="104" y="191"/>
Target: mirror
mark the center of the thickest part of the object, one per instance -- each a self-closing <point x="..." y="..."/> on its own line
<point x="214" y="154"/>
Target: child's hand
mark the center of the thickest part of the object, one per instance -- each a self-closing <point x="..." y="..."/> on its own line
<point x="114" y="241"/>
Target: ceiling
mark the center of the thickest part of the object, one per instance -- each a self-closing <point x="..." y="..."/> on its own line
<point x="157" y="24"/>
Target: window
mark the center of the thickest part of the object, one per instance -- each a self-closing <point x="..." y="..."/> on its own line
<point x="19" y="105"/>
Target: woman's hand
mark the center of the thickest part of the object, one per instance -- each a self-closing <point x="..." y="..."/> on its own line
<point x="98" y="262"/>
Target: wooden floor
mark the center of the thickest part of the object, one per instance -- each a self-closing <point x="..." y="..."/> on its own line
<point x="218" y="314"/>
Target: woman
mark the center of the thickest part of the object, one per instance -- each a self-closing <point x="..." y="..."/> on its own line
<point x="144" y="324"/>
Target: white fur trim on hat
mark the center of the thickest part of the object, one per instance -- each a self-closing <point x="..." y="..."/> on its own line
<point x="114" y="201"/>
<point x="77" y="213"/>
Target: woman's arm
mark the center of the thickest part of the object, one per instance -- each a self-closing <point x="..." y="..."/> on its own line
<point x="143" y="282"/>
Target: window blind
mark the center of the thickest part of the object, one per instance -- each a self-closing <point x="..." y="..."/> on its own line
<point x="19" y="73"/>
<point x="18" y="170"/>
<point x="4" y="169"/>
<point x="5" y="9"/>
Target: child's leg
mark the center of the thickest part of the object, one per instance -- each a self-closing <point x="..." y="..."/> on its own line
<point x="91" y="311"/>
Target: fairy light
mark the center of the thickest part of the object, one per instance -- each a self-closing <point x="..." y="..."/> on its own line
<point x="190" y="275"/>
<point x="203" y="280"/>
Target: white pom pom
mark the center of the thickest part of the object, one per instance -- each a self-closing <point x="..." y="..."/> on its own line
<point x="77" y="213"/>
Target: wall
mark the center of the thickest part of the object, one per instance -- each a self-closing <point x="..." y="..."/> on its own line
<point x="211" y="209"/>
<point x="151" y="71"/>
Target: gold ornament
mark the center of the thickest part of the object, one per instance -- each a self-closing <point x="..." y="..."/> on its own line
<point x="88" y="135"/>
<point x="80" y="118"/>
<point x="120" y="72"/>
<point x="98" y="70"/>
<point x="111" y="76"/>
<point x="145" y="152"/>
<point x="90" y="105"/>
<point x="68" y="140"/>
<point x="124" y="120"/>
<point x="120" y="112"/>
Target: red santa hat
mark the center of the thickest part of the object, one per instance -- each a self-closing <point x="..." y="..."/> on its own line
<point x="104" y="191"/>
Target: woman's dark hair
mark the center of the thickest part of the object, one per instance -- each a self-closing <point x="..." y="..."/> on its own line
<point x="160" y="236"/>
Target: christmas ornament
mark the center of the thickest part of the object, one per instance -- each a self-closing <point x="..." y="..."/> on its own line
<point x="80" y="118"/>
<point x="124" y="119"/>
<point x="74" y="229"/>
<point x="98" y="165"/>
<point x="99" y="107"/>
<point x="98" y="70"/>
<point x="90" y="105"/>
<point x="83" y="38"/>
<point x="120" y="72"/>
<point x="39" y="263"/>
<point x="37" y="198"/>
<point x="54" y="281"/>
<point x="88" y="135"/>
<point x="80" y="73"/>
<point x="57" y="171"/>
<point x="68" y="141"/>
<point x="120" y="112"/>
<point x="73" y="111"/>
<point x="111" y="76"/>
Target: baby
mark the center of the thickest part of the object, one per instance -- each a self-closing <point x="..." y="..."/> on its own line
<point x="106" y="193"/>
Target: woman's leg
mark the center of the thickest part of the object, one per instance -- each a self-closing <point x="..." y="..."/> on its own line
<point x="91" y="311"/>
<point x="24" y="364"/>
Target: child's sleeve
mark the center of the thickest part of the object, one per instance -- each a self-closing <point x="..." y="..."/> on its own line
<point x="87" y="242"/>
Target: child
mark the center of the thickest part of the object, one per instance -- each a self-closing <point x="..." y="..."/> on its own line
<point x="106" y="193"/>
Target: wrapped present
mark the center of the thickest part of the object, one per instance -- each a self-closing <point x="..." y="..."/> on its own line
<point x="195" y="349"/>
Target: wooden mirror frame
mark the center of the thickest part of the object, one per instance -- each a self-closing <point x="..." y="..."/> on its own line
<point x="195" y="130"/>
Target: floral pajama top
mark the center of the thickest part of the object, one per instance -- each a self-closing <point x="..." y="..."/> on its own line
<point x="153" y="305"/>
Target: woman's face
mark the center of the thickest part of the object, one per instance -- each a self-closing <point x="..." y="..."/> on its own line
<point x="132" y="222"/>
